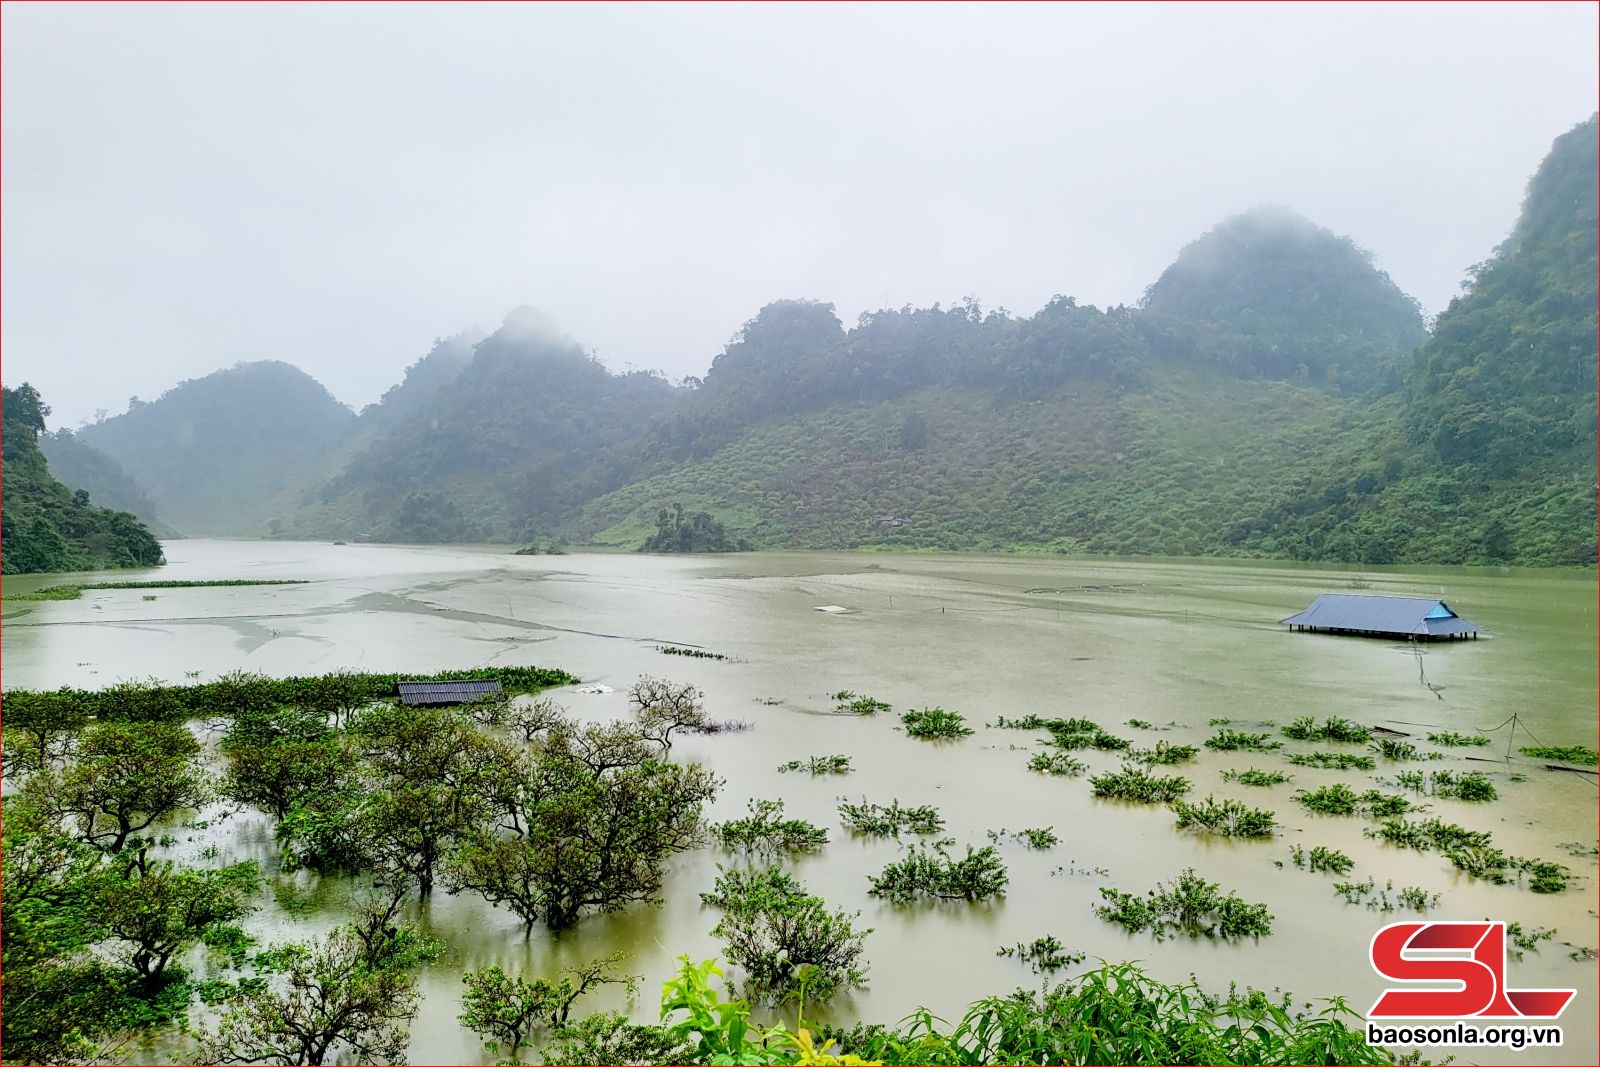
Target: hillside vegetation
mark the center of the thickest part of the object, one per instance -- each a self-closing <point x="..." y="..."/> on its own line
<point x="1274" y="394"/>
<point x="45" y="526"/>
<point x="230" y="452"/>
<point x="78" y="465"/>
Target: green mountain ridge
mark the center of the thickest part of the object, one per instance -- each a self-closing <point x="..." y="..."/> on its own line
<point x="79" y="465"/>
<point x="228" y="453"/>
<point x="1274" y="394"/>
<point x="45" y="526"/>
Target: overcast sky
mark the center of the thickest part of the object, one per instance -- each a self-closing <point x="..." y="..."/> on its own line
<point x="188" y="186"/>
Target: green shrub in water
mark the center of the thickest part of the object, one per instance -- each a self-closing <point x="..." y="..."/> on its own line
<point x="880" y="820"/>
<point x="1136" y="783"/>
<point x="1191" y="905"/>
<point x="1256" y="777"/>
<point x="936" y="724"/>
<point x="1056" y="763"/>
<point x="932" y="872"/>
<point x="1234" y="740"/>
<point x="1229" y="818"/>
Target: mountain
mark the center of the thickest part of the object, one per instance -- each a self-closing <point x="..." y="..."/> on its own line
<point x="44" y="526"/>
<point x="1509" y="376"/>
<point x="422" y="382"/>
<point x="81" y="466"/>
<point x="231" y="452"/>
<point x="518" y="439"/>
<point x="1488" y="455"/>
<point x="1273" y="394"/>
<point x="1270" y="294"/>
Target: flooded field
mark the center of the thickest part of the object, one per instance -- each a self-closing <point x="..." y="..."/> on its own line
<point x="1176" y="644"/>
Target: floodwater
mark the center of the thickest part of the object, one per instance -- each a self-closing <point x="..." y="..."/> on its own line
<point x="1174" y="642"/>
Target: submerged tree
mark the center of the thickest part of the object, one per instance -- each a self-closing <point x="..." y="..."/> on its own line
<point x="60" y="1001"/>
<point x="590" y="825"/>
<point x="786" y="940"/>
<point x="437" y="780"/>
<point x="158" y="910"/>
<point x="349" y="997"/>
<point x="126" y="777"/>
<point x="664" y="707"/>
<point x="508" y="1009"/>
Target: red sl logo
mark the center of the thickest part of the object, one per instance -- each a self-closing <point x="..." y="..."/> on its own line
<point x="1481" y="974"/>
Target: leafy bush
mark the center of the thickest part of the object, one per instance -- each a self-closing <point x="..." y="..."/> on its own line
<point x="765" y="830"/>
<point x="1322" y="860"/>
<point x="818" y="765"/>
<point x="1228" y="818"/>
<point x="1334" y="761"/>
<point x="1067" y="733"/>
<point x="509" y="1009"/>
<point x="879" y="820"/>
<point x="692" y="653"/>
<point x="1472" y="786"/>
<point x="1162" y="754"/>
<point x="785" y="940"/>
<point x="1046" y="955"/>
<point x="1522" y="940"/>
<point x="1056" y="763"/>
<point x="1038" y="838"/>
<point x="1455" y="740"/>
<point x="1395" y="749"/>
<point x="1192" y="906"/>
<point x="936" y="724"/>
<point x="1114" y="1014"/>
<point x="856" y="704"/>
<point x="1340" y="799"/>
<point x="1136" y="783"/>
<point x="1333" y="729"/>
<point x="1546" y="877"/>
<point x="1233" y="740"/>
<point x="1414" y="897"/>
<point x="925" y="872"/>
<point x="1256" y="777"/>
<point x="1565" y="753"/>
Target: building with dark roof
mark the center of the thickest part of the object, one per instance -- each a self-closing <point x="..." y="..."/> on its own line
<point x="434" y="694"/>
<point x="1418" y="618"/>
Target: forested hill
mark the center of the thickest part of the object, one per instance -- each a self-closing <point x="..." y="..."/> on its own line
<point x="513" y="444"/>
<point x="230" y="452"/>
<point x="1274" y="394"/>
<point x="1508" y="378"/>
<point x="1269" y="294"/>
<point x="44" y="526"/>
<point x="1488" y="454"/>
<point x="79" y="465"/>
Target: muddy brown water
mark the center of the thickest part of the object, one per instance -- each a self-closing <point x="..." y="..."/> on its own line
<point x="1174" y="642"/>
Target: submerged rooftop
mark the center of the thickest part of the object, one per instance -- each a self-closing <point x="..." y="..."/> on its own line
<point x="1423" y="618"/>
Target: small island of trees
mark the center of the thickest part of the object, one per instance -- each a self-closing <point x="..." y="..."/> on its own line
<point x="695" y="533"/>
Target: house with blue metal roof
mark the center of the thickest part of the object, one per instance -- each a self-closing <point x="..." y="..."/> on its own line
<point x="437" y="694"/>
<point x="1418" y="618"/>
